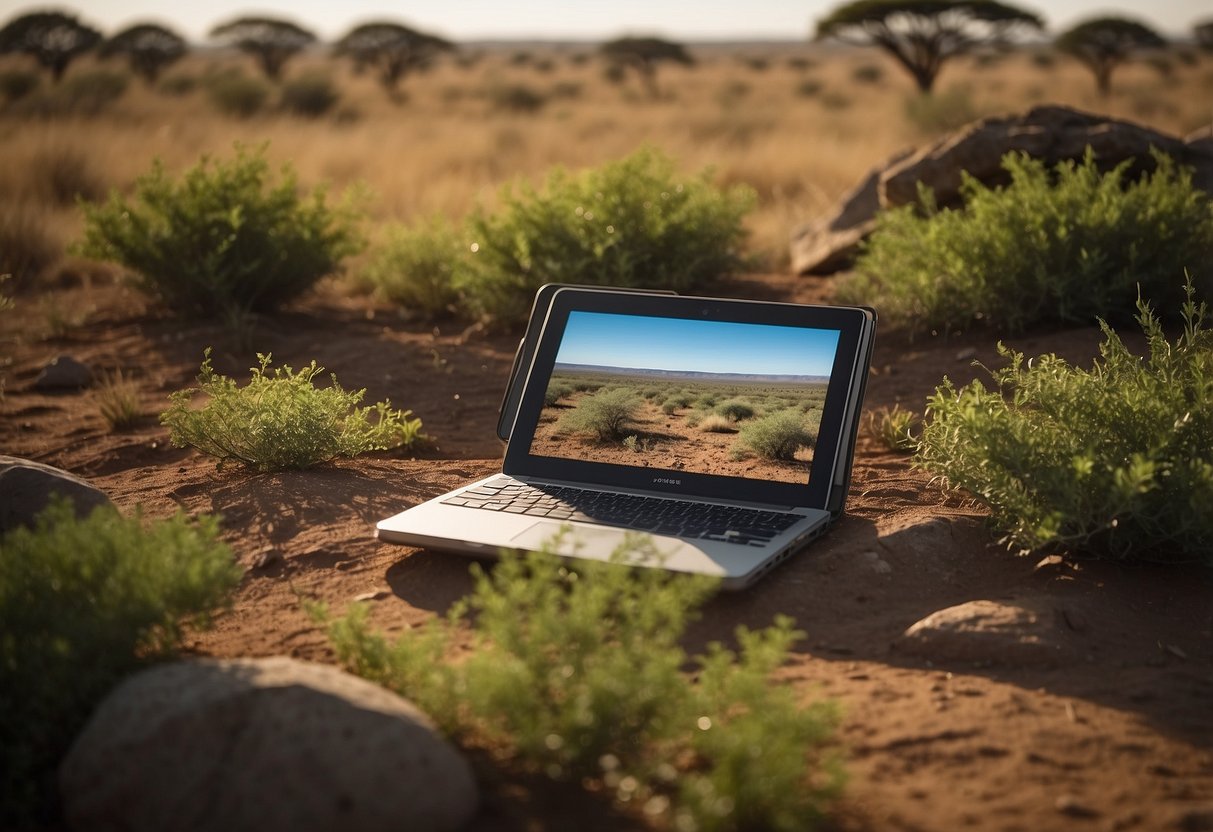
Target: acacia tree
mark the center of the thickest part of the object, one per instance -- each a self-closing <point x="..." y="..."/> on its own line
<point x="54" y="39"/>
<point x="391" y="49"/>
<point x="922" y="35"/>
<point x="1104" y="43"/>
<point x="271" y="41"/>
<point x="643" y="55"/>
<point x="148" y="47"/>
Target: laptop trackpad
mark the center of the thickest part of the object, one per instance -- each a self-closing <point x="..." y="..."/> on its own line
<point x="596" y="542"/>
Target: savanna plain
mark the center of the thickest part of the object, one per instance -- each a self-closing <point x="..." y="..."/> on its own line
<point x="1107" y="727"/>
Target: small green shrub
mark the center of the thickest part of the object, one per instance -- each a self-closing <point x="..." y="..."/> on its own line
<point x="605" y="414"/>
<point x="88" y="93"/>
<point x="1115" y="462"/>
<point x="1054" y="246"/>
<point x="223" y="239"/>
<point x="634" y="222"/>
<point x="235" y="94"/>
<point x="178" y="85"/>
<point x="894" y="427"/>
<point x="735" y="410"/>
<point x="516" y="98"/>
<point x="941" y="112"/>
<point x="868" y="74"/>
<point x="61" y="174"/>
<point x="310" y="95"/>
<point x="556" y="391"/>
<point x="82" y="603"/>
<point x="777" y="436"/>
<point x="118" y="400"/>
<point x="16" y="84"/>
<point x="416" y="267"/>
<point x="282" y="421"/>
<point x="577" y="672"/>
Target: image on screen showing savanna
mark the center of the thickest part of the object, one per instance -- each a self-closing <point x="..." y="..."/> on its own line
<point x="740" y="425"/>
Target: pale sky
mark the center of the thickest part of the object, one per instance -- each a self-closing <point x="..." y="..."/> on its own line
<point x="591" y="20"/>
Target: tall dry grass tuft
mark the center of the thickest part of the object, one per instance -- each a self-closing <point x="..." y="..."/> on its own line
<point x="801" y="132"/>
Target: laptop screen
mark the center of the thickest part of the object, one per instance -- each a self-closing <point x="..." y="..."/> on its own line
<point x="699" y="396"/>
<point x="707" y="397"/>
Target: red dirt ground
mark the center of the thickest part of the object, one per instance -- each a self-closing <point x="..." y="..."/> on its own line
<point x="1116" y="737"/>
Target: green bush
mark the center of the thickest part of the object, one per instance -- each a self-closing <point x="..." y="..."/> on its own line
<point x="894" y="427"/>
<point x="88" y="93"/>
<point x="223" y="239"/>
<point x="735" y="410"/>
<point x="516" y="98"/>
<point x="1115" y="462"/>
<point x="416" y="267"/>
<point x="634" y="222"/>
<point x="310" y="95"/>
<point x="778" y="435"/>
<point x="282" y="421"/>
<point x="179" y="84"/>
<point x="82" y="603"/>
<point x="235" y="94"/>
<point x="605" y="414"/>
<point x="577" y="672"/>
<point x="17" y="83"/>
<point x="941" y="112"/>
<point x="1054" y="246"/>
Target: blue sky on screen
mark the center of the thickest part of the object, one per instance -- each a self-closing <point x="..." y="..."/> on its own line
<point x="642" y="342"/>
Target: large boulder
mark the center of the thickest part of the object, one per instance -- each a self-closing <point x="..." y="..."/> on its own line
<point x="262" y="745"/>
<point x="27" y="487"/>
<point x="1051" y="134"/>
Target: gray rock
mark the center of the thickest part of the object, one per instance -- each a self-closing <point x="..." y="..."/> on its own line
<point x="266" y="745"/>
<point x="1051" y="134"/>
<point x="1024" y="631"/>
<point x="64" y="373"/>
<point x="26" y="488"/>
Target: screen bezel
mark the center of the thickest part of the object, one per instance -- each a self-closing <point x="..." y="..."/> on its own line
<point x="848" y="321"/>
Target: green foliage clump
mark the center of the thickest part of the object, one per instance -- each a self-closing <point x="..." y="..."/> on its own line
<point x="82" y="603"/>
<point x="17" y="83"/>
<point x="634" y="222"/>
<point x="577" y="672"/>
<point x="778" y="435"/>
<point x="224" y="238"/>
<point x="282" y="421"/>
<point x="416" y="267"/>
<point x="88" y="93"/>
<point x="236" y="94"/>
<point x="311" y="95"/>
<point x="118" y="400"/>
<point x="894" y="427"/>
<point x="1115" y="462"/>
<point x="941" y="112"/>
<point x="735" y="410"/>
<point x="1063" y="245"/>
<point x="605" y="414"/>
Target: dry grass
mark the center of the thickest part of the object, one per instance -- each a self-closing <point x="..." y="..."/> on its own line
<point x="447" y="141"/>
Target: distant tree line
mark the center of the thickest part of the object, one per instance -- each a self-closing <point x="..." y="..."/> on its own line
<point x="921" y="35"/>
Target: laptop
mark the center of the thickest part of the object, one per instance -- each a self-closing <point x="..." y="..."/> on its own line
<point x="725" y="429"/>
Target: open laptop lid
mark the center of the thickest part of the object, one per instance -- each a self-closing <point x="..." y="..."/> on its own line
<point x="680" y="361"/>
<point x="525" y="353"/>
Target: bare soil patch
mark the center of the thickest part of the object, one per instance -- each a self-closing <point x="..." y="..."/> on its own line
<point x="1117" y="737"/>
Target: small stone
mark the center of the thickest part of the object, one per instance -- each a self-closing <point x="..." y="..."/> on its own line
<point x="967" y="354"/>
<point x="373" y="595"/>
<point x="266" y="557"/>
<point x="1025" y="631"/>
<point x="27" y="487"/>
<point x="64" y="373"/>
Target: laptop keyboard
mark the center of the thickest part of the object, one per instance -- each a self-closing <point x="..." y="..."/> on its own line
<point x="658" y="515"/>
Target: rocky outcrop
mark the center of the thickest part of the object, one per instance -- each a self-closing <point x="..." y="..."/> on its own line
<point x="26" y="488"/>
<point x="1052" y="134"/>
<point x="265" y="745"/>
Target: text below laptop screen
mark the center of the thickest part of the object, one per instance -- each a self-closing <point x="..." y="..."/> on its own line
<point x="678" y="394"/>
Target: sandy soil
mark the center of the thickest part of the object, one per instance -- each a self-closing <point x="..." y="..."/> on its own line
<point x="667" y="442"/>
<point x="1115" y="736"/>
